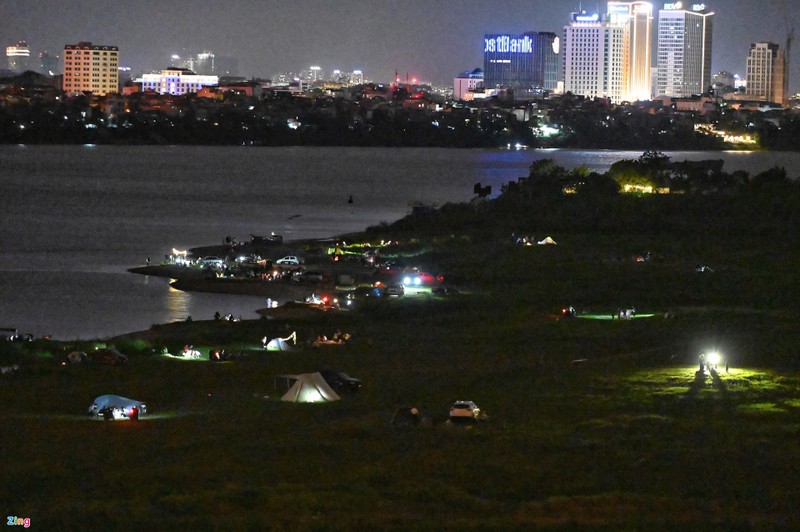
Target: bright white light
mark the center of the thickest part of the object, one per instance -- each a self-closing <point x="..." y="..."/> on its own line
<point x="713" y="358"/>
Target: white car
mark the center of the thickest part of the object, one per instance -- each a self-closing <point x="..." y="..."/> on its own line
<point x="394" y="289"/>
<point x="464" y="411"/>
<point x="289" y="260"/>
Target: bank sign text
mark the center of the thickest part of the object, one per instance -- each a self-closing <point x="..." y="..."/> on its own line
<point x="508" y="44"/>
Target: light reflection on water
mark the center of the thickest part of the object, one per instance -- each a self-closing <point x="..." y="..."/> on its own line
<point x="178" y="303"/>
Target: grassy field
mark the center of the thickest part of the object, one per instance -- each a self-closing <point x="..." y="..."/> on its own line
<point x="591" y="423"/>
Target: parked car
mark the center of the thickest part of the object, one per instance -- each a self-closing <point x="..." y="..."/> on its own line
<point x="464" y="411"/>
<point x="349" y="297"/>
<point x="211" y="262"/>
<point x="108" y="356"/>
<point x="289" y="260"/>
<point x="341" y="381"/>
<point x="418" y="278"/>
<point x="309" y="277"/>
<point x="272" y="239"/>
<point x="444" y="291"/>
<point x="367" y="291"/>
<point x="394" y="289"/>
<point x="250" y="258"/>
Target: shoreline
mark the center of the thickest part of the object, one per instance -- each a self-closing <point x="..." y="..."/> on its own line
<point x="313" y="251"/>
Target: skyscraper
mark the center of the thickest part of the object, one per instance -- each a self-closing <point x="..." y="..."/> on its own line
<point x="636" y="19"/>
<point x="19" y="57"/>
<point x="526" y="63"/>
<point x="91" y="68"/>
<point x="204" y="64"/>
<point x="766" y="73"/>
<point x="593" y="57"/>
<point x="684" y="50"/>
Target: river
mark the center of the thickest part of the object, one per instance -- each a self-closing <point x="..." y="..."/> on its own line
<point x="75" y="218"/>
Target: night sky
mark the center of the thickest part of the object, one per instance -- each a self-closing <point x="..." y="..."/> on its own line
<point x="432" y="40"/>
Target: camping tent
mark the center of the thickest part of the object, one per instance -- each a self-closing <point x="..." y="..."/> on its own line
<point x="282" y="344"/>
<point x="547" y="240"/>
<point x="279" y="344"/>
<point x="306" y="388"/>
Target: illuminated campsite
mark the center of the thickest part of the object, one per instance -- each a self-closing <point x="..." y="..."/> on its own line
<point x="567" y="385"/>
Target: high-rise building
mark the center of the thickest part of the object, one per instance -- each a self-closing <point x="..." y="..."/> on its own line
<point x="684" y="50"/>
<point x="636" y="19"/>
<point x="766" y="73"/>
<point x="203" y="64"/>
<point x="594" y="54"/>
<point x="357" y="77"/>
<point x="526" y="63"/>
<point x="19" y="57"/>
<point x="91" y="68"/>
<point x="312" y="75"/>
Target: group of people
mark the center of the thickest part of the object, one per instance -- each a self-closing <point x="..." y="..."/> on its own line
<point x="624" y="314"/>
<point x="337" y="338"/>
<point x="219" y="355"/>
<point x="711" y="365"/>
<point x="190" y="352"/>
<point x="228" y="317"/>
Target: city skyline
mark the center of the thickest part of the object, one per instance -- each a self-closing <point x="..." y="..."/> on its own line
<point x="431" y="41"/>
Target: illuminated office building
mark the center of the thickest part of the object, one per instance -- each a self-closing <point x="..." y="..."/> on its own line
<point x="636" y="20"/>
<point x="684" y="50"/>
<point x="766" y="73"/>
<point x="91" y="68"/>
<point x="204" y="64"/>
<point x="19" y="57"/>
<point x="593" y="57"/>
<point x="526" y="63"/>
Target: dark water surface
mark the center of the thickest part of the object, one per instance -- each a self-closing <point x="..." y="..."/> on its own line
<point x="74" y="218"/>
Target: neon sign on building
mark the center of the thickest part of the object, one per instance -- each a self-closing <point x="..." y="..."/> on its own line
<point x="508" y="44"/>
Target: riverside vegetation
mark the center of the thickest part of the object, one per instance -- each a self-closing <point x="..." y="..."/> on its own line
<point x="629" y="437"/>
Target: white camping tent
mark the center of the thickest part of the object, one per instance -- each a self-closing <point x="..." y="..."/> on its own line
<point x="547" y="240"/>
<point x="282" y="344"/>
<point x="308" y="388"/>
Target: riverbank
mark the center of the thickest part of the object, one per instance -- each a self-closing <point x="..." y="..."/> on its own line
<point x="313" y="253"/>
<point x="586" y="423"/>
